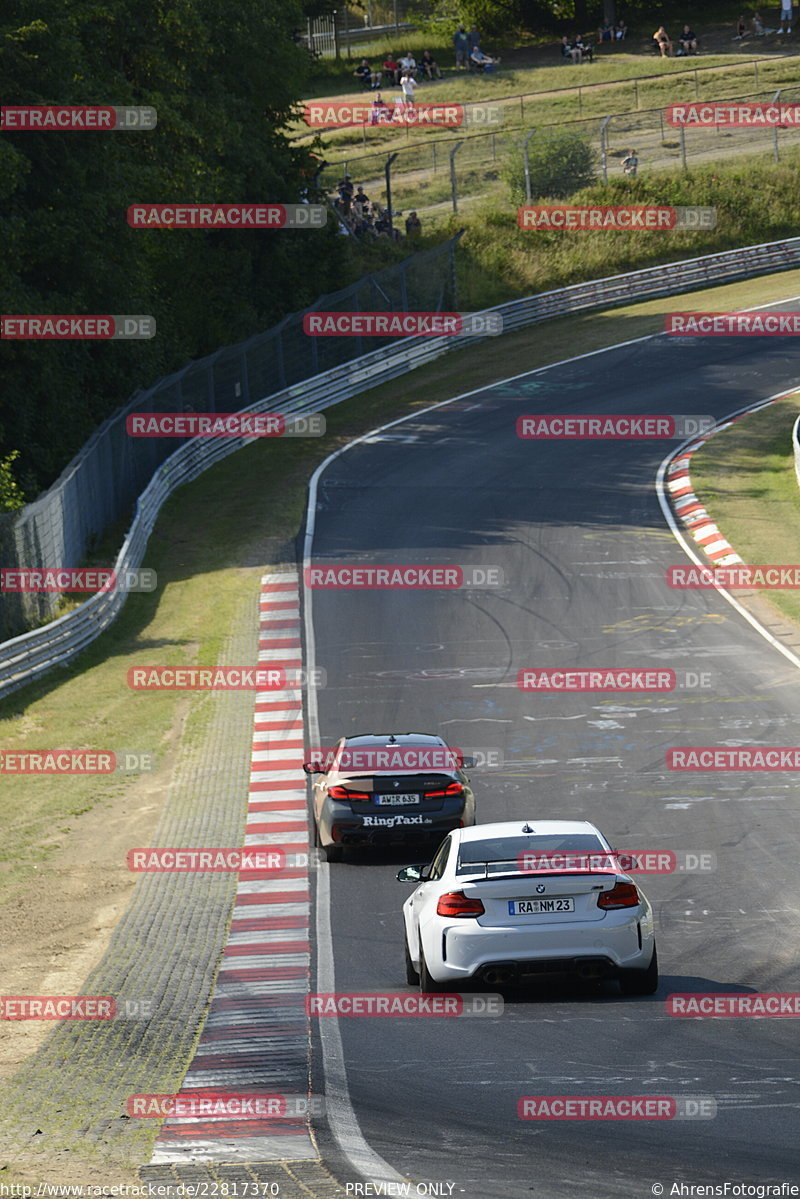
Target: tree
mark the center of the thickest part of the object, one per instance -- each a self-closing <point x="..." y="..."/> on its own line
<point x="558" y="167"/>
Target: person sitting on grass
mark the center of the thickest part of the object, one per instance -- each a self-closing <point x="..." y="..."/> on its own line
<point x="429" y="66"/>
<point x="391" y="68"/>
<point x="758" y="25"/>
<point x="620" y="31"/>
<point x="661" y="39"/>
<point x="605" y="33"/>
<point x="368" y="77"/>
<point x="688" y="41"/>
<point x="480" y="61"/>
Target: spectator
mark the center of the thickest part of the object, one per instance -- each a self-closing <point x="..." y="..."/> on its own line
<point x="605" y="33"/>
<point x="480" y="61"/>
<point x="688" y="41"/>
<point x="361" y="196"/>
<point x="569" y="52"/>
<point x="661" y="39"/>
<point x="408" y="65"/>
<point x="758" y="25"/>
<point x="630" y="164"/>
<point x="380" y="111"/>
<point x="413" y="225"/>
<point x="429" y="65"/>
<point x="391" y="68"/>
<point x="345" y="189"/>
<point x="620" y="31"/>
<point x="461" y="45"/>
<point x="586" y="50"/>
<point x="408" y="83"/>
<point x="786" y="15"/>
<point x="473" y="38"/>
<point x="741" y="29"/>
<point x="368" y="77"/>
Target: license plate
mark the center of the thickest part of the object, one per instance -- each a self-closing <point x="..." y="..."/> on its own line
<point x="537" y="907"/>
<point x="395" y="800"/>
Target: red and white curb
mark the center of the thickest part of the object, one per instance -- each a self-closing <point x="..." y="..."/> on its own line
<point x="255" y="1038"/>
<point x="687" y="506"/>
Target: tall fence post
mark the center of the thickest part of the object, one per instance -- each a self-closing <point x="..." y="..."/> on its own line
<point x="776" y="99"/>
<point x="604" y="148"/>
<point x="388" y="172"/>
<point x="453" y="186"/>
<point x="683" y="146"/>
<point x="755" y="70"/>
<point x="527" y="138"/>
<point x="337" y="50"/>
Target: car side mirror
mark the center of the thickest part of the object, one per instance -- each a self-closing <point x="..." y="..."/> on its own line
<point x="467" y="763"/>
<point x="313" y="767"/>
<point x="413" y="874"/>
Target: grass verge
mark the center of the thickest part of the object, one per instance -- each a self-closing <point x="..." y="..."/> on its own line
<point x="745" y="478"/>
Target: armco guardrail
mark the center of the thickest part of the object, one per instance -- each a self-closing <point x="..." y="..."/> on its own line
<point x="31" y="655"/>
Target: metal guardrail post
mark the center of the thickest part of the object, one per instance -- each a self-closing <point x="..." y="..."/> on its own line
<point x="527" y="138"/>
<point x="453" y="185"/>
<point x="604" y="148"/>
<point x="776" y="100"/>
<point x="683" y="146"/>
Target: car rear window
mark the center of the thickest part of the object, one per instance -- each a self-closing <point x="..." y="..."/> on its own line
<point x="501" y="855"/>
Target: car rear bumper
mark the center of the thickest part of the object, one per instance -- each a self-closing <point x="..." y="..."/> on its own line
<point x="340" y="826"/>
<point x="595" y="950"/>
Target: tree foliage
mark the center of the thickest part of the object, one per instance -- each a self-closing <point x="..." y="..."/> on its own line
<point x="558" y="167"/>
<point x="223" y="79"/>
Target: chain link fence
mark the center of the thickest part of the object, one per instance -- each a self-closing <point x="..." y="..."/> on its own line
<point x="438" y="175"/>
<point x="101" y="484"/>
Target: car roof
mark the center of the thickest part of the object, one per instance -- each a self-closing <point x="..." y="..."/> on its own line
<point x="518" y="828"/>
<point x="382" y="739"/>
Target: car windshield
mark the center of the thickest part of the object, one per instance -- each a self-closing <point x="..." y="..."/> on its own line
<point x="503" y="855"/>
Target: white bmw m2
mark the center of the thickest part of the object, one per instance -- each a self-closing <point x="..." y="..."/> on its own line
<point x="505" y="904"/>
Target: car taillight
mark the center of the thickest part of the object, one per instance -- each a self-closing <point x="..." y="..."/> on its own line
<point x="623" y="895"/>
<point x="456" y="903"/>
<point x="343" y="793"/>
<point x="453" y="789"/>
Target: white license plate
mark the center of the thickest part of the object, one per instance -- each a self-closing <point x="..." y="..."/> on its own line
<point x="395" y="800"/>
<point x="537" y="907"/>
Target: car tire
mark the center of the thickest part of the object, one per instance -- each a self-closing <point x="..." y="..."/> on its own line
<point x="640" y="982"/>
<point x="427" y="984"/>
<point x="412" y="977"/>
<point x="333" y="853"/>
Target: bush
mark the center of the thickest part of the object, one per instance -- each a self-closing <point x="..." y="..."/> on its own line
<point x="558" y="166"/>
<point x="11" y="496"/>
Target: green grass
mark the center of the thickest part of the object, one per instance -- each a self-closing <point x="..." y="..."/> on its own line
<point x="745" y="478"/>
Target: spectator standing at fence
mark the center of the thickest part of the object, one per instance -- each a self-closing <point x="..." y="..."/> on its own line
<point x="786" y="16"/>
<point x="461" y="47"/>
<point x="429" y="65"/>
<point x="408" y="83"/>
<point x="413" y="225"/>
<point x="630" y="164"/>
<point x="661" y="39"/>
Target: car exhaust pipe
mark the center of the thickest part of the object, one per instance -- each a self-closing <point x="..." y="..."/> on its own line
<point x="499" y="976"/>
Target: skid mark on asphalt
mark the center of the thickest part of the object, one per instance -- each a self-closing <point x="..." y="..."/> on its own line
<point x="255" y="1037"/>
